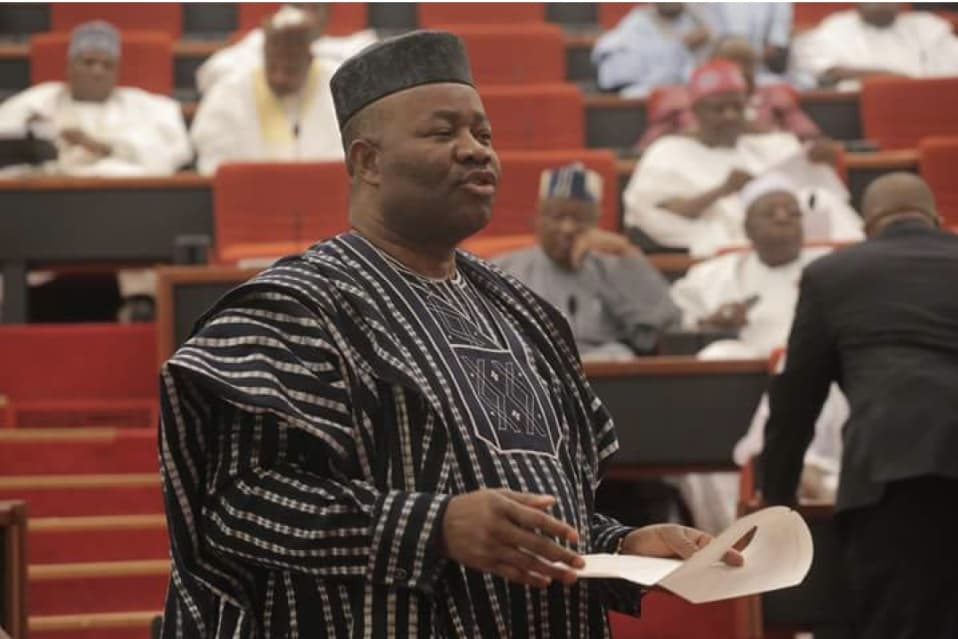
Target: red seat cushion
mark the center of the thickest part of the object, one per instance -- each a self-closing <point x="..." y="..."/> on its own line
<point x="938" y="158"/>
<point x="515" y="53"/>
<point x="439" y="13"/>
<point x="146" y="16"/>
<point x="293" y="204"/>
<point x="530" y="117"/>
<point x="898" y="112"/>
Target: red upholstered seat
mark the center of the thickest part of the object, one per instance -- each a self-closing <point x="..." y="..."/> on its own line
<point x="937" y="161"/>
<point x="159" y="16"/>
<point x="266" y="209"/>
<point x="146" y="62"/>
<point x="516" y="53"/>
<point x="79" y="375"/>
<point x="344" y="17"/>
<point x="611" y="12"/>
<point x="438" y="13"/>
<point x="898" y="112"/>
<point x="542" y="116"/>
<point x="518" y="195"/>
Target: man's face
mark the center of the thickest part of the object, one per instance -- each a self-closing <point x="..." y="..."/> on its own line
<point x="438" y="172"/>
<point x="879" y="14"/>
<point x="669" y="10"/>
<point x="560" y="222"/>
<point x="287" y="62"/>
<point x="92" y="76"/>
<point x="774" y="226"/>
<point x="721" y="117"/>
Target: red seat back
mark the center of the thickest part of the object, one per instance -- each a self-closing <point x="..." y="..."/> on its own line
<point x="438" y="13"/>
<point x="610" y="13"/>
<point x="542" y="116"/>
<point x="512" y="54"/>
<point x="898" y="112"/>
<point x="518" y="196"/>
<point x="272" y="203"/>
<point x="146" y="61"/>
<point x="344" y="17"/>
<point x="78" y="361"/>
<point x="146" y="16"/>
<point x="938" y="159"/>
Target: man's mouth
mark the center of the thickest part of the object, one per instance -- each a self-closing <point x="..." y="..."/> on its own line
<point x="482" y="183"/>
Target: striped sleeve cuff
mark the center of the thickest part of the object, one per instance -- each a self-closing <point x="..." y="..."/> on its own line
<point x="405" y="550"/>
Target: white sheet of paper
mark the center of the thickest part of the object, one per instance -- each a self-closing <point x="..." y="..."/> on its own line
<point x="779" y="556"/>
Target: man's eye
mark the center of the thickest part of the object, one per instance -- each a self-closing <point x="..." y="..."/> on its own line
<point x="484" y="136"/>
<point x="442" y="133"/>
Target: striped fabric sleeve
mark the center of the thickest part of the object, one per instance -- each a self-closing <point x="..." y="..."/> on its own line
<point x="618" y="594"/>
<point x="284" y="453"/>
<point x="284" y="517"/>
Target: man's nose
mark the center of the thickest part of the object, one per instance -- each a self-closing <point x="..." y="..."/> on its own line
<point x="470" y="149"/>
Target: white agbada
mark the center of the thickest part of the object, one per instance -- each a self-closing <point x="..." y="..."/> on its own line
<point x="735" y="277"/>
<point x="917" y="44"/>
<point x="247" y="54"/>
<point x="681" y="166"/>
<point x="241" y="119"/>
<point x="146" y="130"/>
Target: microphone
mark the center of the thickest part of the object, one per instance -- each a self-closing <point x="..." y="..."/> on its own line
<point x="573" y="306"/>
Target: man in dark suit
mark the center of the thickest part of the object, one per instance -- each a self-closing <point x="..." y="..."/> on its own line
<point x="881" y="318"/>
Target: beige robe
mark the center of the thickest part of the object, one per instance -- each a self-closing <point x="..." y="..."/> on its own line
<point x="241" y="120"/>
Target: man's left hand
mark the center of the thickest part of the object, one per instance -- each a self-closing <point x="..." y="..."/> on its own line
<point x="822" y="151"/>
<point x="78" y="137"/>
<point x="672" y="540"/>
<point x="601" y="242"/>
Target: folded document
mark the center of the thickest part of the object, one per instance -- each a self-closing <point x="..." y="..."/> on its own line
<point x="779" y="556"/>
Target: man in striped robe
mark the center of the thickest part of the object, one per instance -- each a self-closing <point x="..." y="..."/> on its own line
<point x="384" y="436"/>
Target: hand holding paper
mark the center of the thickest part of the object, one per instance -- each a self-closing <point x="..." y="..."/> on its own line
<point x="779" y="556"/>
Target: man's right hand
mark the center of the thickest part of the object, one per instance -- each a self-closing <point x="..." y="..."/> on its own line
<point x="509" y="534"/>
<point x="735" y="180"/>
<point x="730" y="316"/>
<point x="696" y="38"/>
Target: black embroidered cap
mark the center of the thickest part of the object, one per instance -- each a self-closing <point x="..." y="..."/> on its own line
<point x="395" y="64"/>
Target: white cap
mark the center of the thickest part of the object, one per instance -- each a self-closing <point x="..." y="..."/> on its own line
<point x="763" y="185"/>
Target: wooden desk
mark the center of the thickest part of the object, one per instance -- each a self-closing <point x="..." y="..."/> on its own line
<point x="13" y="568"/>
<point x="672" y="413"/>
<point x="49" y="221"/>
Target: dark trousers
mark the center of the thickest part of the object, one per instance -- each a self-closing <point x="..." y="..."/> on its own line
<point x="900" y="559"/>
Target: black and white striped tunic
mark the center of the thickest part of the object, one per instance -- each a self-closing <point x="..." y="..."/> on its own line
<point x="317" y="423"/>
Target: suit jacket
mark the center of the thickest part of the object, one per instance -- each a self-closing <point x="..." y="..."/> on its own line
<point x="881" y="319"/>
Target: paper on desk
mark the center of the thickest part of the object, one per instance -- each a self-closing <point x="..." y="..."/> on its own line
<point x="804" y="174"/>
<point x="779" y="556"/>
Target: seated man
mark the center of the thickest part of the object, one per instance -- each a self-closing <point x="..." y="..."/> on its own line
<point x="99" y="129"/>
<point x="766" y="26"/>
<point x="772" y="107"/>
<point x="652" y="46"/>
<point x="280" y="111"/>
<point x="616" y="302"/>
<point x="752" y="292"/>
<point x="683" y="193"/>
<point x="247" y="53"/>
<point x="877" y="39"/>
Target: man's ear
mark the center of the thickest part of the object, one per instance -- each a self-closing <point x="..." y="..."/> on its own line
<point x="362" y="161"/>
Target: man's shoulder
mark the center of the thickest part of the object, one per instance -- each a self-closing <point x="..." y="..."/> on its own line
<point x="840" y="20"/>
<point x="135" y="96"/>
<point x="515" y="258"/>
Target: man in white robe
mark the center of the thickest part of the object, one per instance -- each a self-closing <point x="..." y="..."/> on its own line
<point x="280" y="111"/>
<point x="752" y="292"/>
<point x="756" y="293"/>
<point x="683" y="192"/>
<point x="99" y="129"/>
<point x="247" y="53"/>
<point x="877" y="39"/>
<point x="616" y="302"/>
